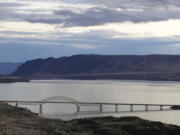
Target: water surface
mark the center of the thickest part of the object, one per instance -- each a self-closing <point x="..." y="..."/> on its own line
<point x="150" y="92"/>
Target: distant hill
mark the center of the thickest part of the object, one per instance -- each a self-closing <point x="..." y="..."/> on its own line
<point x="8" y="68"/>
<point x="141" y="67"/>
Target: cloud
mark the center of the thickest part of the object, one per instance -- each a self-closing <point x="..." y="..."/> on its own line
<point x="132" y="10"/>
<point x="5" y="5"/>
<point x="89" y="13"/>
<point x="88" y="25"/>
<point x="82" y="46"/>
<point x="26" y="50"/>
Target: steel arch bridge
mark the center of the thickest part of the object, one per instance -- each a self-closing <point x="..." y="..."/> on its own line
<point x="78" y="104"/>
<point x="59" y="99"/>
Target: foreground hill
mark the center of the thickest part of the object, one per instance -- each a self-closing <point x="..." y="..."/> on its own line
<point x="20" y="121"/>
<point x="8" y="68"/>
<point x="143" y="67"/>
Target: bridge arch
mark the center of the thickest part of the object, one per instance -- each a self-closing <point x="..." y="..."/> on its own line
<point x="60" y="98"/>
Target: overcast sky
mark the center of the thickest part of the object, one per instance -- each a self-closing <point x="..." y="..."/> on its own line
<point x="53" y="28"/>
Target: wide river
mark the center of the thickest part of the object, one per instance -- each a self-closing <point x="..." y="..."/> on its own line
<point x="150" y="92"/>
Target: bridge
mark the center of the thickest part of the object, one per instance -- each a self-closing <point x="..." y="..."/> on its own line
<point x="78" y="104"/>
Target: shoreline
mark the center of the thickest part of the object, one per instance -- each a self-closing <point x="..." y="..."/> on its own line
<point x="121" y="80"/>
<point x="155" y="76"/>
<point x="13" y="79"/>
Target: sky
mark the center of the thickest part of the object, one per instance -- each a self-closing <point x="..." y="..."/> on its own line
<point x="31" y="29"/>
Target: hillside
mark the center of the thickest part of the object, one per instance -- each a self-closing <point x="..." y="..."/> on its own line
<point x="143" y="67"/>
<point x="7" y="68"/>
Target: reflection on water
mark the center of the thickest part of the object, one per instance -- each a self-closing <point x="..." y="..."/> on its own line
<point x="82" y="114"/>
<point x="149" y="92"/>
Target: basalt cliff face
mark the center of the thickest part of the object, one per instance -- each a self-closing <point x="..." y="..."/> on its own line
<point x="134" y="67"/>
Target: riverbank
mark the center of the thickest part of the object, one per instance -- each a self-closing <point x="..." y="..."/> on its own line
<point x="21" y="121"/>
<point x="12" y="79"/>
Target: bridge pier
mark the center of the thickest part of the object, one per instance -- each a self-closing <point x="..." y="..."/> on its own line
<point x="161" y="107"/>
<point x="100" y="108"/>
<point x="40" y="109"/>
<point x="78" y="108"/>
<point x="116" y="107"/>
<point x="16" y="104"/>
<point x="146" y="107"/>
<point x="131" y="108"/>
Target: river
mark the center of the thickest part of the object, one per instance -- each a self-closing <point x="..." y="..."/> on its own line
<point x="150" y="92"/>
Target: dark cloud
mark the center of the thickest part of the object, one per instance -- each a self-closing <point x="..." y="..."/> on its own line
<point x="102" y="15"/>
<point x="8" y="10"/>
<point x="104" y="11"/>
<point x="143" y="4"/>
<point x="132" y="10"/>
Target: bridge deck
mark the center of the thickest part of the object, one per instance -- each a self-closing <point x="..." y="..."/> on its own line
<point x="83" y="103"/>
<point x="79" y="104"/>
